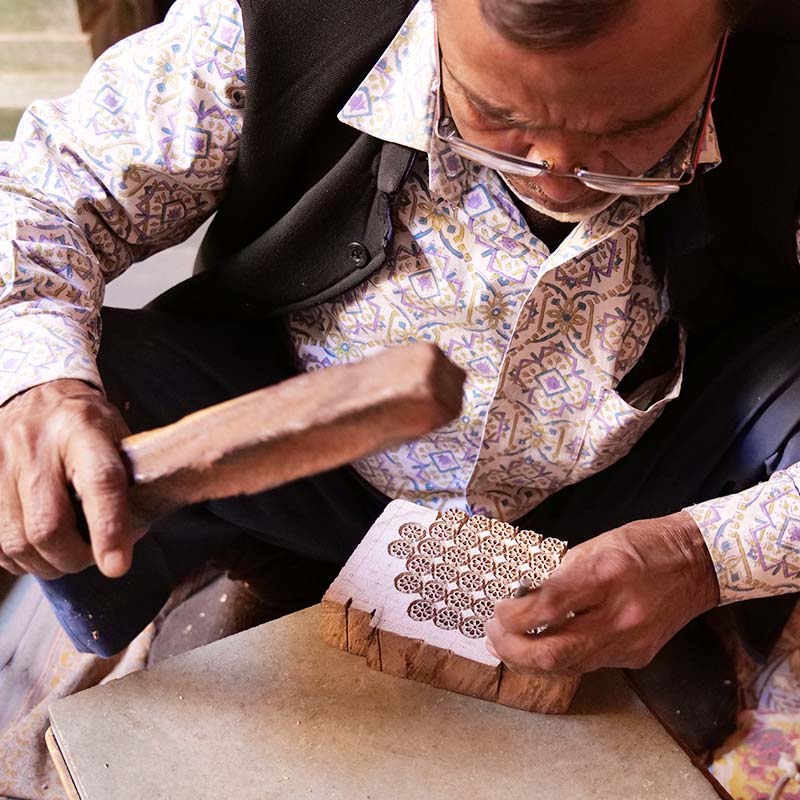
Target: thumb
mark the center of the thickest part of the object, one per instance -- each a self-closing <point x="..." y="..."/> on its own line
<point x="100" y="479"/>
<point x="564" y="593"/>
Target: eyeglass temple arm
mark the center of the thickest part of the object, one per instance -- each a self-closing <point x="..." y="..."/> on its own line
<point x="709" y="99"/>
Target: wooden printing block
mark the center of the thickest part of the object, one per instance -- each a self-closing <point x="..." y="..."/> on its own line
<point x="413" y="597"/>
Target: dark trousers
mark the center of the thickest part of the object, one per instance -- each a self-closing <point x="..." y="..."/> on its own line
<point x="735" y="423"/>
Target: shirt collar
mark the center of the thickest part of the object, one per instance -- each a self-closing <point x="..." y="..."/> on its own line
<point x="397" y="102"/>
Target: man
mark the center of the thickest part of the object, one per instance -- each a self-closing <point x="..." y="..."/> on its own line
<point x="503" y="162"/>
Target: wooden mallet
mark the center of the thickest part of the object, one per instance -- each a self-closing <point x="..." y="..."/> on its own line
<point x="303" y="426"/>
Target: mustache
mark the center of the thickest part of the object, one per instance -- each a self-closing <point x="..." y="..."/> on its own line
<point x="527" y="188"/>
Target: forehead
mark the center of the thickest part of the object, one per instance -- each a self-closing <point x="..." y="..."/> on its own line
<point x="657" y="53"/>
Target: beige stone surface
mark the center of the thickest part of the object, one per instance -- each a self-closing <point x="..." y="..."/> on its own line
<point x="46" y="46"/>
<point x="44" y="54"/>
<point x="39" y="16"/>
<point x="275" y="713"/>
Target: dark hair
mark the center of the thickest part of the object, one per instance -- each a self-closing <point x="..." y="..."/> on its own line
<point x="556" y="24"/>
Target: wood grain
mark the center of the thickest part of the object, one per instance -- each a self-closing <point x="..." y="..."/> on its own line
<point x="363" y="614"/>
<point x="549" y="694"/>
<point x="351" y="630"/>
<point x="62" y="770"/>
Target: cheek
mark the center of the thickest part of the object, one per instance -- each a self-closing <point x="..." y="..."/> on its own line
<point x="506" y="140"/>
<point x="640" y="153"/>
<point x="637" y="156"/>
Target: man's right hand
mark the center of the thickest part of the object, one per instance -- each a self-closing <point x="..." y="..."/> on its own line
<point x="53" y="435"/>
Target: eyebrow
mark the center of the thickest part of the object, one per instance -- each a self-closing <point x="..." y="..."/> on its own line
<point x="626" y="126"/>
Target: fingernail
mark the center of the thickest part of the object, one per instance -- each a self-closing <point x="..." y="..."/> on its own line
<point x="115" y="563"/>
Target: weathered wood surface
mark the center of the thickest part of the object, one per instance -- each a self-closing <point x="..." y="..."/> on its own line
<point x="365" y="614"/>
<point x="62" y="770"/>
<point x="276" y="713"/>
<point x="303" y="426"/>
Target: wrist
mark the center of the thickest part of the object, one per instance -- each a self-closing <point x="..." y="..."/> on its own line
<point x="60" y="387"/>
<point x="685" y="535"/>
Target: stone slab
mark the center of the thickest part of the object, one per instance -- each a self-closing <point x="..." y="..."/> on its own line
<point x="275" y="712"/>
<point x="19" y="90"/>
<point x="25" y="16"/>
<point x="38" y="52"/>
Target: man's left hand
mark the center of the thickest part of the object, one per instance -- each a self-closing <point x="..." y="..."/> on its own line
<point x="631" y="590"/>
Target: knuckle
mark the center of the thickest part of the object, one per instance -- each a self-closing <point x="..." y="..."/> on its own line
<point x="633" y="619"/>
<point x="609" y="565"/>
<point x="109" y="527"/>
<point x="8" y="565"/>
<point x="75" y="417"/>
<point x="18" y="441"/>
<point x="108" y="476"/>
<point x="17" y="548"/>
<point x="42" y="531"/>
<point x="550" y="608"/>
<point x="503" y="616"/>
<point x="546" y="660"/>
<point x="108" y="524"/>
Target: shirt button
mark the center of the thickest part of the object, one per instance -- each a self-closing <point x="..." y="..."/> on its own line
<point x="358" y="254"/>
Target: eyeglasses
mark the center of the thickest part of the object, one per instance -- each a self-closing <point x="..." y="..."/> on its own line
<point x="447" y="132"/>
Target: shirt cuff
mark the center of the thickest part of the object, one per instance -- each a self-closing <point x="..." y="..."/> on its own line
<point x="40" y="347"/>
<point x="754" y="538"/>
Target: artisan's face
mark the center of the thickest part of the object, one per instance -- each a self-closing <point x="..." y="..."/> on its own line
<point x="616" y="105"/>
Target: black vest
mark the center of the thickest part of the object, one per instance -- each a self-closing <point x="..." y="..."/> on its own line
<point x="308" y="214"/>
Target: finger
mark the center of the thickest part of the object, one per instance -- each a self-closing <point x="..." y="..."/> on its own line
<point x="629" y="647"/>
<point x="5" y="520"/>
<point x="49" y="521"/>
<point x="549" y="604"/>
<point x="619" y="653"/>
<point x="95" y="468"/>
<point x="9" y="566"/>
<point x="558" y="652"/>
<point x="15" y="547"/>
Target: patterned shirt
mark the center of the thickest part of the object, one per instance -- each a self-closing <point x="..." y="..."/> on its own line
<point x="544" y="337"/>
<point x="138" y="157"/>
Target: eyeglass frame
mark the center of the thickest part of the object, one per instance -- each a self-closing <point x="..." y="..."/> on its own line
<point x="611" y="184"/>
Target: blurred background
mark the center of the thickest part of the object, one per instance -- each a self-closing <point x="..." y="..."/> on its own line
<point x="47" y="45"/>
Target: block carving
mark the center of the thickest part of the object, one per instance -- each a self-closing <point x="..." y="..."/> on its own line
<point x="414" y="598"/>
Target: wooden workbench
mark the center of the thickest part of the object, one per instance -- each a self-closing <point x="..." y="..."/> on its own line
<point x="275" y="713"/>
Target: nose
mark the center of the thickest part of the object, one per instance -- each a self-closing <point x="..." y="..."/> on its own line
<point x="565" y="157"/>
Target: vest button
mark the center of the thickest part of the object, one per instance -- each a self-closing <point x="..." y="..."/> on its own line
<point x="358" y="254"/>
